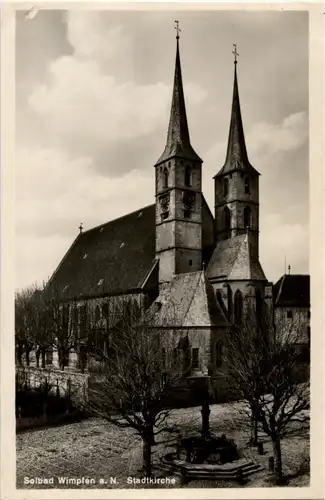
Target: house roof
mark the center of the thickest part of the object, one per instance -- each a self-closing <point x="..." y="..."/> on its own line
<point x="114" y="258"/>
<point x="232" y="260"/>
<point x="178" y="137"/>
<point x="236" y="158"/>
<point x="186" y="301"/>
<point x="292" y="290"/>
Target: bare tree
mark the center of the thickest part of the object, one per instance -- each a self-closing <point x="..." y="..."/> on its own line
<point x="264" y="369"/>
<point x="44" y="328"/>
<point x="134" y="378"/>
<point x="61" y="324"/>
<point x="283" y="409"/>
<point x="25" y="323"/>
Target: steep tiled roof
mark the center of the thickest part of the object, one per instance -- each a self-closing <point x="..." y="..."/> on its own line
<point x="178" y="137"/>
<point x="115" y="257"/>
<point x="236" y="158"/>
<point x="292" y="290"/>
<point x="232" y="260"/>
<point x="111" y="258"/>
<point x="186" y="301"/>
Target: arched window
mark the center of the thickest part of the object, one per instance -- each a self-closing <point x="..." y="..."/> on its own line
<point x="219" y="297"/>
<point x="188" y="176"/>
<point x="247" y="189"/>
<point x="247" y="217"/>
<point x="238" y="307"/>
<point x="97" y="313"/>
<point x="259" y="306"/>
<point x="225" y="186"/>
<point x="226" y="219"/>
<point x="165" y="177"/>
<point x="105" y="309"/>
<point x="218" y="353"/>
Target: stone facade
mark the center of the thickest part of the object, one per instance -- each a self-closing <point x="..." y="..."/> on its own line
<point x="293" y="321"/>
<point x="178" y="217"/>
<point x="193" y="274"/>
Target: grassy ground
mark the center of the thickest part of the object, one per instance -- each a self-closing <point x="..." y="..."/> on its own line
<point x="95" y="449"/>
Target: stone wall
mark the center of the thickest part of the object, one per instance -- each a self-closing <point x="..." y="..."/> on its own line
<point x="293" y="321"/>
<point x="66" y="383"/>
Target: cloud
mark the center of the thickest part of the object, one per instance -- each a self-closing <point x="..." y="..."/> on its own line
<point x="66" y="193"/>
<point x="270" y="139"/>
<point x="34" y="265"/>
<point x="283" y="240"/>
<point x="84" y="105"/>
<point x="87" y="33"/>
<point x="265" y="139"/>
<point x="92" y="116"/>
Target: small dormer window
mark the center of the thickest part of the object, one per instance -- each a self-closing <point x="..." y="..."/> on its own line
<point x="225" y="186"/>
<point x="247" y="188"/>
<point x="188" y="176"/>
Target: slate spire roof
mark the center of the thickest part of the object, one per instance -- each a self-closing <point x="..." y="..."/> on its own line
<point x="178" y="137"/>
<point x="232" y="260"/>
<point x="186" y="301"/>
<point x="236" y="158"/>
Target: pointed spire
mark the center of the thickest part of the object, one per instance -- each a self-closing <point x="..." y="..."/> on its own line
<point x="236" y="158"/>
<point x="178" y="137"/>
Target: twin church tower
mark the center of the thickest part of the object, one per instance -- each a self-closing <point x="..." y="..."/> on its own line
<point x="179" y="199"/>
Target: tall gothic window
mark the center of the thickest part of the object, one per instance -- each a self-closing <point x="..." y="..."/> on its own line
<point x="226" y="219"/>
<point x="195" y="358"/>
<point x="247" y="217"/>
<point x="259" y="306"/>
<point x="218" y="353"/>
<point x="247" y="190"/>
<point x="97" y="313"/>
<point x="225" y="186"/>
<point x="188" y="176"/>
<point x="238" y="306"/>
<point x="165" y="177"/>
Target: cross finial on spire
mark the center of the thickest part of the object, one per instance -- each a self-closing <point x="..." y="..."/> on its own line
<point x="80" y="227"/>
<point x="178" y="30"/>
<point x="235" y="52"/>
<point x="289" y="269"/>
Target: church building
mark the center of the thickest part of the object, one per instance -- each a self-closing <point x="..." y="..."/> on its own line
<point x="193" y="272"/>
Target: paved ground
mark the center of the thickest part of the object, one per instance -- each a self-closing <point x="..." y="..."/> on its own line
<point x="97" y="450"/>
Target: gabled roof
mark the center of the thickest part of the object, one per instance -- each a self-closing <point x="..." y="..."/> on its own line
<point x="232" y="260"/>
<point x="292" y="290"/>
<point x="186" y="301"/>
<point x="178" y="137"/>
<point x="115" y="257"/>
<point x="236" y="158"/>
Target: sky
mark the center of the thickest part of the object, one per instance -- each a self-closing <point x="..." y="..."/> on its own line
<point x="93" y="95"/>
